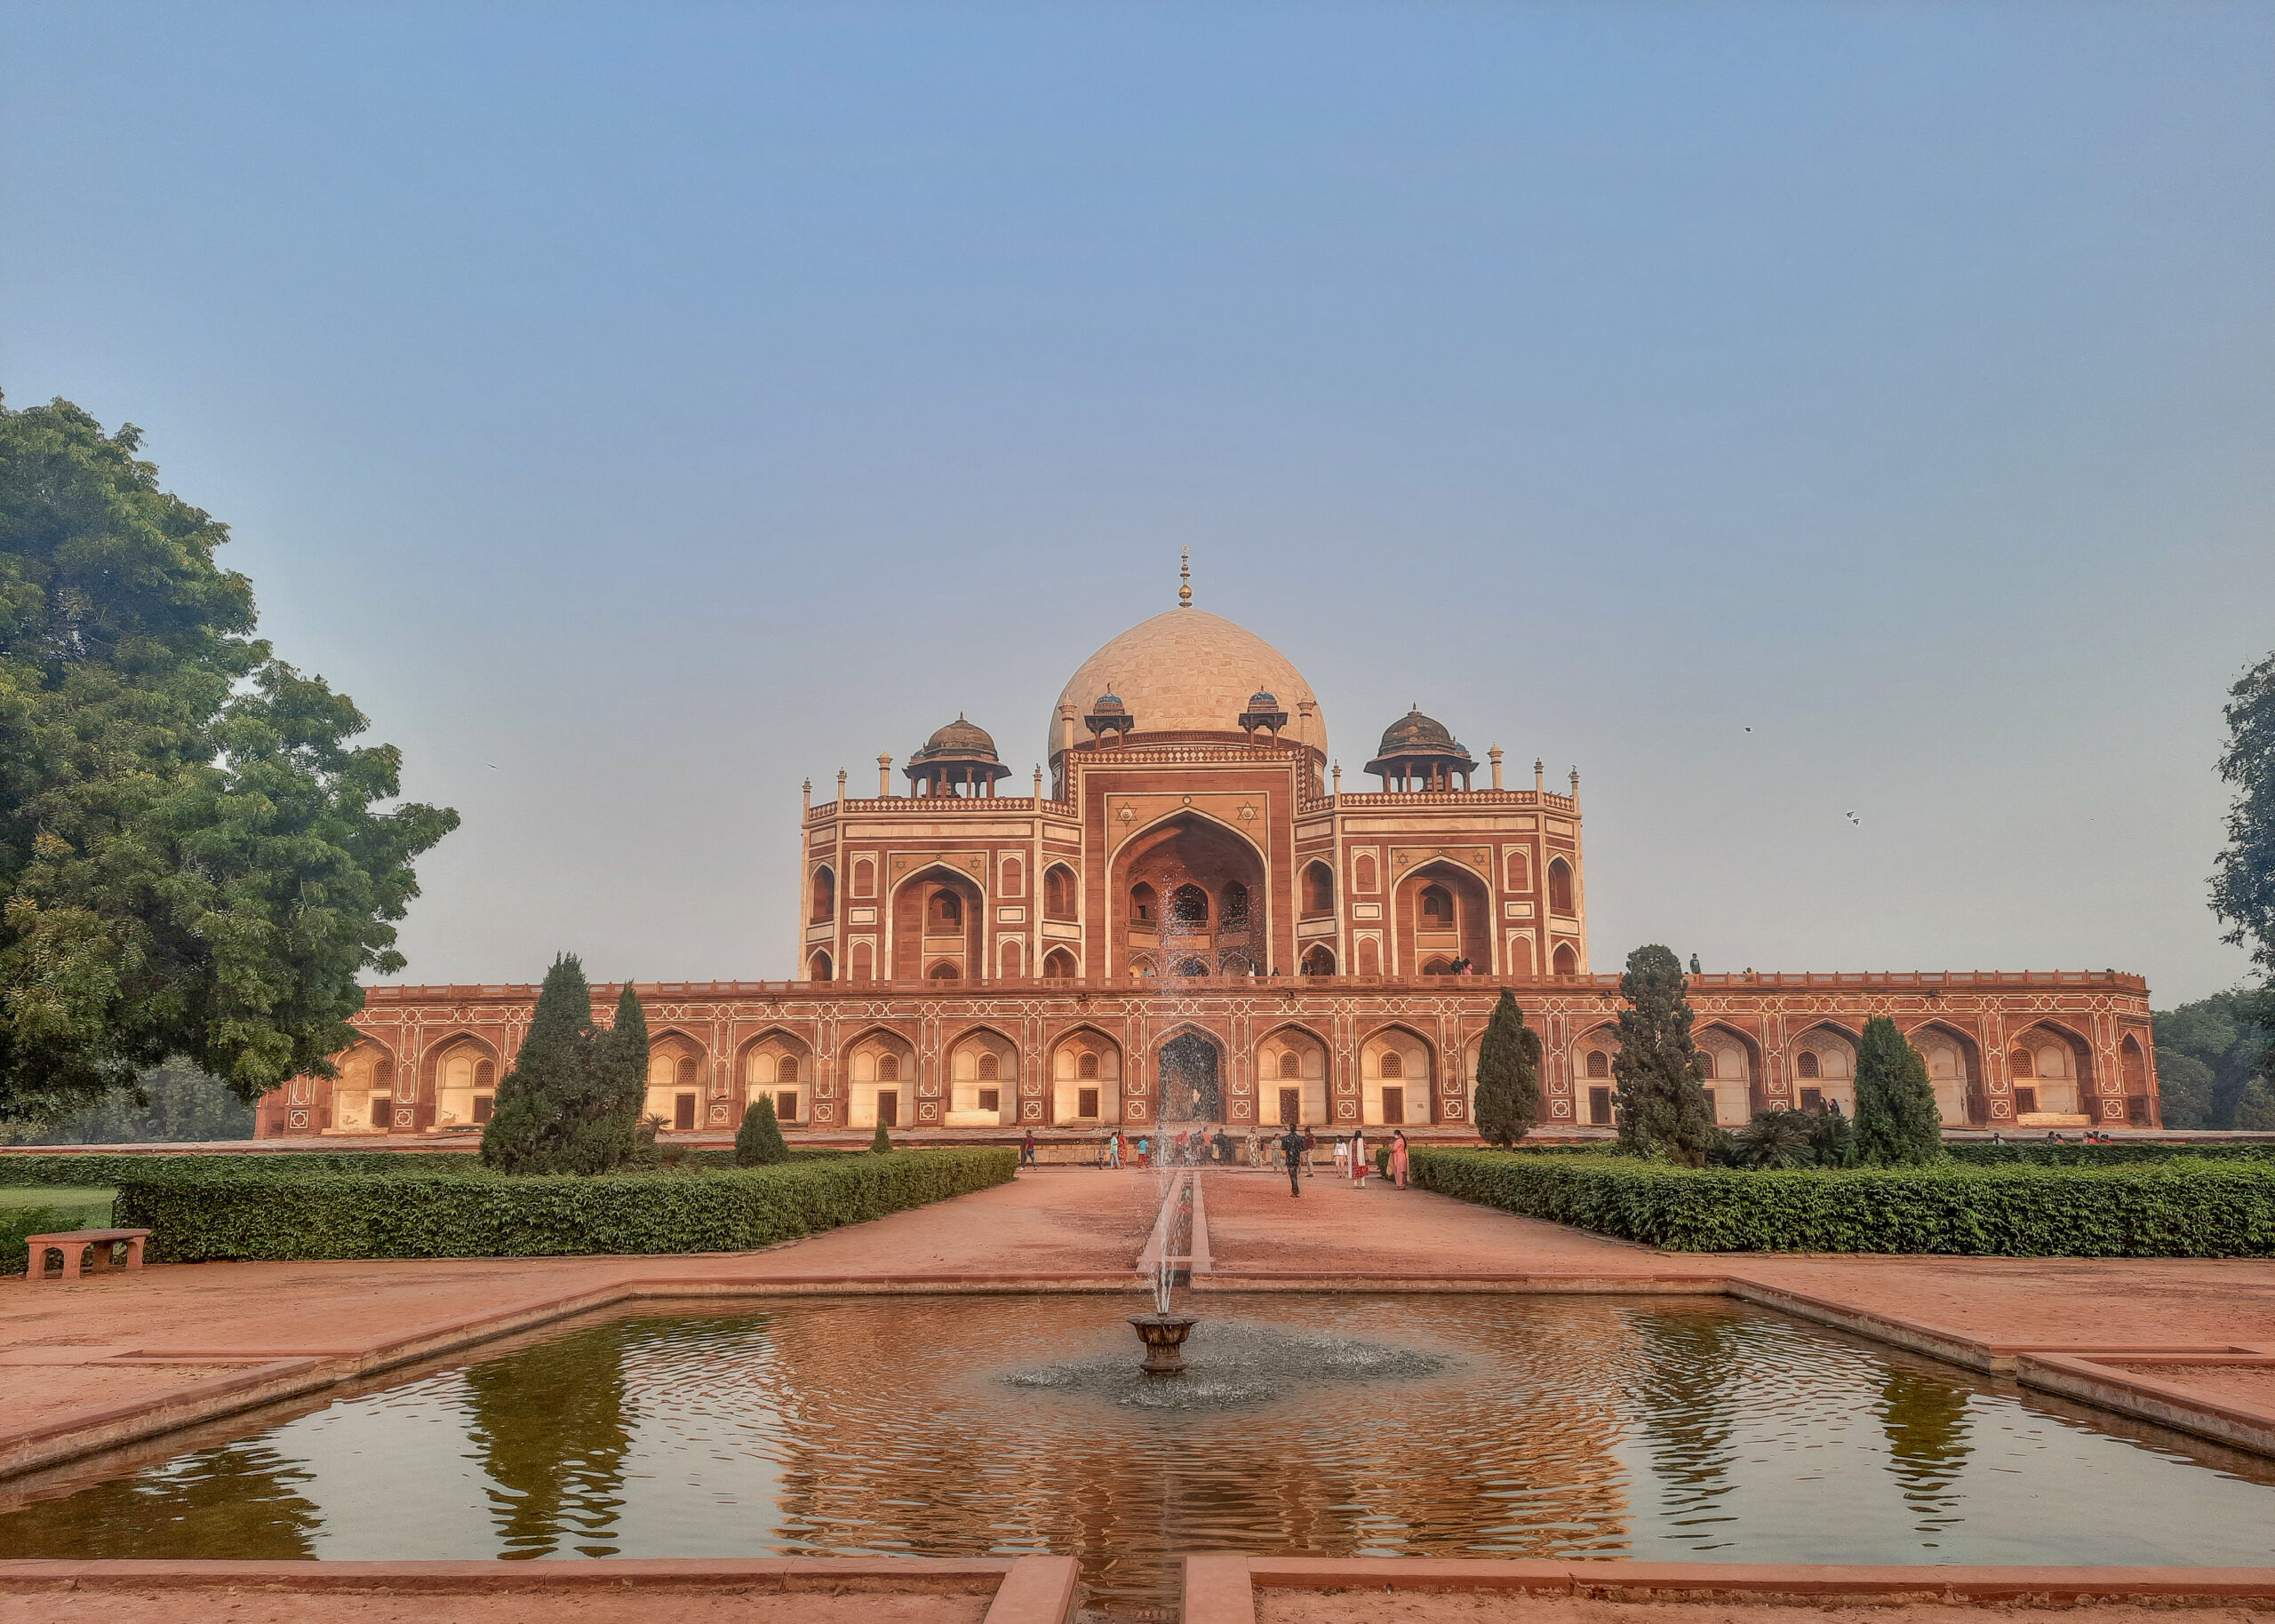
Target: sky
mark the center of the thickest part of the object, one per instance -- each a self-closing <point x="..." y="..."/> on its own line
<point x="1777" y="412"/>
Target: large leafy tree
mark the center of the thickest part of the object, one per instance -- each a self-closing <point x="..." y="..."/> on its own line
<point x="1508" y="1075"/>
<point x="193" y="859"/>
<point x="2243" y="886"/>
<point x="1663" y="1105"/>
<point x="1898" y="1123"/>
<point x="2208" y="1053"/>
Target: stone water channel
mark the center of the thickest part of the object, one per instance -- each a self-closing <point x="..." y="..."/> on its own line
<point x="1369" y="1425"/>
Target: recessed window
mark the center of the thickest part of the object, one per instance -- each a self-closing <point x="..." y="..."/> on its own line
<point x="991" y="1099"/>
<point x="1086" y="1101"/>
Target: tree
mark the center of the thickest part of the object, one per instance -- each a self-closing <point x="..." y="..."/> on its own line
<point x="608" y="1135"/>
<point x="538" y="1103"/>
<point x="758" y="1142"/>
<point x="2208" y="1053"/>
<point x="1508" y="1076"/>
<point x="573" y="1101"/>
<point x="176" y="1103"/>
<point x="2243" y="885"/>
<point x="881" y="1142"/>
<point x="1663" y="1107"/>
<point x="2255" y="1107"/>
<point x="191" y="860"/>
<point x="2184" y="1089"/>
<point x="1898" y="1123"/>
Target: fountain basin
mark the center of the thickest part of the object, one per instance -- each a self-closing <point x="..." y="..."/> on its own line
<point x="1164" y="1335"/>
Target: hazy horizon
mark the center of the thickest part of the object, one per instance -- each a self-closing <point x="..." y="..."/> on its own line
<point x="1777" y="412"/>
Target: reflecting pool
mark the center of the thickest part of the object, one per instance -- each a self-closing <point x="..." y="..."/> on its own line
<point x="1654" y="1429"/>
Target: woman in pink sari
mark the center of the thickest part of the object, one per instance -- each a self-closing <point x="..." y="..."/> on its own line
<point x="1397" y="1158"/>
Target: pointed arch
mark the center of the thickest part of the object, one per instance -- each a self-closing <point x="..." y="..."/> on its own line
<point x="824" y="895"/>
<point x="818" y="967"/>
<point x="1568" y="959"/>
<point x="983" y="1078"/>
<point x="1085" y="1069"/>
<point x="1058" y="892"/>
<point x="1059" y="964"/>
<point x="1734" y="1071"/>
<point x="679" y="1078"/>
<point x="938" y="913"/>
<point x="2061" y="1061"/>
<point x="1954" y="1062"/>
<point x="1560" y="889"/>
<point x="1398" y="1076"/>
<point x="880" y="1071"/>
<point x="458" y="1069"/>
<point x="1319" y="960"/>
<point x="779" y="1064"/>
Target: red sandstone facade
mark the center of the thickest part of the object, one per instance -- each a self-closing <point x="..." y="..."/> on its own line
<point x="1197" y="921"/>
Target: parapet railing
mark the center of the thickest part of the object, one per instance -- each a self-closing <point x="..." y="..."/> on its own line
<point x="1354" y="800"/>
<point x="940" y="805"/>
<point x="1606" y="986"/>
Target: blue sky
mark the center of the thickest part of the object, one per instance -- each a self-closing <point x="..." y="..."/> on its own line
<point x="641" y="410"/>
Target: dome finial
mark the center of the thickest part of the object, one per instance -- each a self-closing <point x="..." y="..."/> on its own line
<point x="1185" y="578"/>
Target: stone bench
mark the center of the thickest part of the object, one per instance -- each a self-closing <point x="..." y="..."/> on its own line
<point x="74" y="1244"/>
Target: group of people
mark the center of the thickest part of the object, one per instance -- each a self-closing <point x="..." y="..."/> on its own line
<point x="2092" y="1135"/>
<point x="1293" y="1150"/>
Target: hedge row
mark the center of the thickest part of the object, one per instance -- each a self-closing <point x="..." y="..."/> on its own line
<point x="2178" y="1209"/>
<point x="2118" y="1153"/>
<point x="468" y="1211"/>
<point x="117" y="1168"/>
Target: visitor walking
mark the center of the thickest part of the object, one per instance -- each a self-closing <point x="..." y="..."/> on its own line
<point x="1114" y="1148"/>
<point x="1291" y="1152"/>
<point x="1359" y="1158"/>
<point x="1342" y="1157"/>
<point x="1255" y="1149"/>
<point x="1397" y="1158"/>
<point x="1311" y="1145"/>
<point x="1026" y="1150"/>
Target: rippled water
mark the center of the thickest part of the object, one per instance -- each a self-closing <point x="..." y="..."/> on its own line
<point x="1517" y="1426"/>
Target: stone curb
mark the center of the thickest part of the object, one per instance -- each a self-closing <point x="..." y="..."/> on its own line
<point x="1221" y="1588"/>
<point x="1025" y="1589"/>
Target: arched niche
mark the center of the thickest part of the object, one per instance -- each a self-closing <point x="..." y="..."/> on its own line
<point x="1824" y="1066"/>
<point x="983" y="1079"/>
<point x="937" y="916"/>
<point x="2050" y="1069"/>
<point x="1085" y="1072"/>
<point x="1955" y="1069"/>
<point x="463" y="1073"/>
<point x="678" y="1081"/>
<point x="779" y="1065"/>
<point x="1442" y="913"/>
<point x="362" y="1095"/>
<point x="1181" y="873"/>
<point x="1059" y="964"/>
<point x="1291" y="1068"/>
<point x="1397" y="1080"/>
<point x="1734" y="1073"/>
<point x="880" y="1080"/>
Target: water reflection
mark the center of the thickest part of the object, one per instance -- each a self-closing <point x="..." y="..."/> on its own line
<point x="1924" y="1418"/>
<point x="1536" y="1427"/>
<point x="550" y="1427"/>
<point x="238" y="1499"/>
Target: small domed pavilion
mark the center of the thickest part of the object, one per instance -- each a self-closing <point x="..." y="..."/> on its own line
<point x="959" y="760"/>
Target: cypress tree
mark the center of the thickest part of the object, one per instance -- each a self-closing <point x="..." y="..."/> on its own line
<point x="607" y="1134"/>
<point x="1663" y="1109"/>
<point x="758" y="1142"/>
<point x="1898" y="1124"/>
<point x="538" y="1100"/>
<point x="1508" y="1076"/>
<point x="881" y="1142"/>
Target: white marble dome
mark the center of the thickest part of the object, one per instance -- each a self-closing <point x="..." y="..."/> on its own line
<point x="1187" y="670"/>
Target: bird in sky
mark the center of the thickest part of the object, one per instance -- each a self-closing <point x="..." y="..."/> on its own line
<point x="1853" y="818"/>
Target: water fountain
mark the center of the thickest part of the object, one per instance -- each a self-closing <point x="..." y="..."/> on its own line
<point x="1163" y="1333"/>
